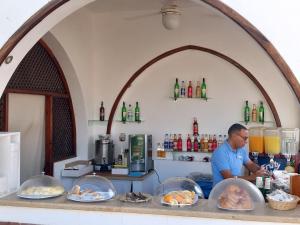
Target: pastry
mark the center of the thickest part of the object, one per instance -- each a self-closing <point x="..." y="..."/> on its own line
<point x="179" y="197"/>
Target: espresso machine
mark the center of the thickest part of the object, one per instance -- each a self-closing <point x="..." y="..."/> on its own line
<point x="140" y="154"/>
<point x="104" y="153"/>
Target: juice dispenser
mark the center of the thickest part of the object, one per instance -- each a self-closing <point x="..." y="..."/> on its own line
<point x="256" y="141"/>
<point x="289" y="142"/>
<point x="272" y="141"/>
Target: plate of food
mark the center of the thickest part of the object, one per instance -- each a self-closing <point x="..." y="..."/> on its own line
<point x="79" y="194"/>
<point x="135" y="197"/>
<point x="234" y="198"/>
<point x="179" y="198"/>
<point x="41" y="192"/>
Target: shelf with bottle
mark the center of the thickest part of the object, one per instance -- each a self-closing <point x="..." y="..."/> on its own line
<point x="130" y="121"/>
<point x="254" y="115"/>
<point x="181" y="92"/>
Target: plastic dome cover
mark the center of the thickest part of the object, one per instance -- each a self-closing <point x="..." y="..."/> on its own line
<point x="178" y="191"/>
<point x="236" y="194"/>
<point x="41" y="186"/>
<point x="92" y="188"/>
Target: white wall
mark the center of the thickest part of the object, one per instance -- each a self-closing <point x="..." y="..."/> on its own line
<point x="121" y="47"/>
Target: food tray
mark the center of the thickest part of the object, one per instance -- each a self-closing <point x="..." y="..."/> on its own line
<point x="38" y="196"/>
<point x="195" y="200"/>
<point x="283" y="205"/>
<point x="89" y="197"/>
<point x="228" y="209"/>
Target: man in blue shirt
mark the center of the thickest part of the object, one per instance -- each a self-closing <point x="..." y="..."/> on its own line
<point x="228" y="159"/>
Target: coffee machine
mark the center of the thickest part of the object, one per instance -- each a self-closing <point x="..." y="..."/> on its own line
<point x="140" y="154"/>
<point x="104" y="154"/>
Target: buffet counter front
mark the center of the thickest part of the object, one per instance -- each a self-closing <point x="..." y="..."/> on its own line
<point x="62" y="211"/>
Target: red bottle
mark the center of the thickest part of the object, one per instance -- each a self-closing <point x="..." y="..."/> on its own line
<point x="190" y="90"/>
<point x="195" y="127"/>
<point x="196" y="147"/>
<point x="175" y="143"/>
<point x="210" y="143"/>
<point x="188" y="144"/>
<point x="179" y="143"/>
<point x="214" y="143"/>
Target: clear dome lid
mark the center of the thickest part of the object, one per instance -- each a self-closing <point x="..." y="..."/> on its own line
<point x="236" y="194"/>
<point x="178" y="191"/>
<point x="92" y="188"/>
<point x="41" y="186"/>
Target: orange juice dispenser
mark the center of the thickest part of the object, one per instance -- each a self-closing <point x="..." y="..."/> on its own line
<point x="272" y="142"/>
<point x="256" y="141"/>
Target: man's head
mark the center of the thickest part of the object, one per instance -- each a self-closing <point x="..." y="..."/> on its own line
<point x="238" y="135"/>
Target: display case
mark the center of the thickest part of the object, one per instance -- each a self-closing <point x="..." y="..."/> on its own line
<point x="236" y="194"/>
<point x="92" y="188"/>
<point x="178" y="191"/>
<point x="40" y="187"/>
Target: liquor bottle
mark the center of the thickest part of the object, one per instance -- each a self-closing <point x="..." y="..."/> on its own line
<point x="196" y="147"/>
<point x="190" y="90"/>
<point x="176" y="89"/>
<point x="124" y="113"/>
<point x="137" y="113"/>
<point x="224" y="137"/>
<point x="254" y="113"/>
<point x="203" y="89"/>
<point x="195" y="127"/>
<point x="261" y="113"/>
<point x="130" y="113"/>
<point x="188" y="144"/>
<point x="171" y="142"/>
<point x="267" y="186"/>
<point x="175" y="143"/>
<point x="220" y="140"/>
<point x="246" y="113"/>
<point x="179" y="143"/>
<point x="182" y="90"/>
<point x="214" y="142"/>
<point x="210" y="142"/>
<point x="202" y="143"/>
<point x="198" y="90"/>
<point x="205" y="143"/>
<point x="166" y="142"/>
<point x="102" y="112"/>
<point x="259" y="182"/>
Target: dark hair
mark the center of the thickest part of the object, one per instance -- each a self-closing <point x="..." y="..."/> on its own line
<point x="235" y="128"/>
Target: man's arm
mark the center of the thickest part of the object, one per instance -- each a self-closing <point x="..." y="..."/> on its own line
<point x="227" y="174"/>
<point x="252" y="167"/>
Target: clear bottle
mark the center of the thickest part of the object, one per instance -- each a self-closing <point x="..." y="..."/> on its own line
<point x="220" y="140"/>
<point x="190" y="90"/>
<point x="261" y="113"/>
<point x="130" y="113"/>
<point x="182" y="90"/>
<point x="198" y="90"/>
<point x="124" y="113"/>
<point x="203" y="89"/>
<point x="175" y="143"/>
<point x="102" y="112"/>
<point x="254" y="113"/>
<point x="176" y="89"/>
<point x="137" y="113"/>
<point x="246" y="113"/>
<point x="166" y="142"/>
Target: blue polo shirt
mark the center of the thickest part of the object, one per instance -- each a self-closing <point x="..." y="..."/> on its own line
<point x="225" y="158"/>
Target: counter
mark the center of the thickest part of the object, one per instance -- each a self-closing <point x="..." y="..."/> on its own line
<point x="62" y="211"/>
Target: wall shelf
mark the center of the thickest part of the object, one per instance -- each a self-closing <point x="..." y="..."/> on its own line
<point x="130" y="122"/>
<point x="257" y="123"/>
<point x="194" y="98"/>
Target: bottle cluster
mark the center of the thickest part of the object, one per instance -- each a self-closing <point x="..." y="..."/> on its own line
<point x="128" y="114"/>
<point x="185" y="90"/>
<point x="195" y="142"/>
<point x="256" y="115"/>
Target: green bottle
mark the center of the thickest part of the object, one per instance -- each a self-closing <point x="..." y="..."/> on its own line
<point x="247" y="113"/>
<point x="137" y="113"/>
<point x="176" y="89"/>
<point x="261" y="113"/>
<point x="203" y="89"/>
<point x="124" y="113"/>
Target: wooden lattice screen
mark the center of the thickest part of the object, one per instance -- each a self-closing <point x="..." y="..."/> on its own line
<point x="39" y="73"/>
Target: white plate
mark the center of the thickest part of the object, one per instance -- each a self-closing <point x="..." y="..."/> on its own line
<point x="124" y="199"/>
<point x="89" y="198"/>
<point x="179" y="205"/>
<point x="38" y="196"/>
<point x="220" y="207"/>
